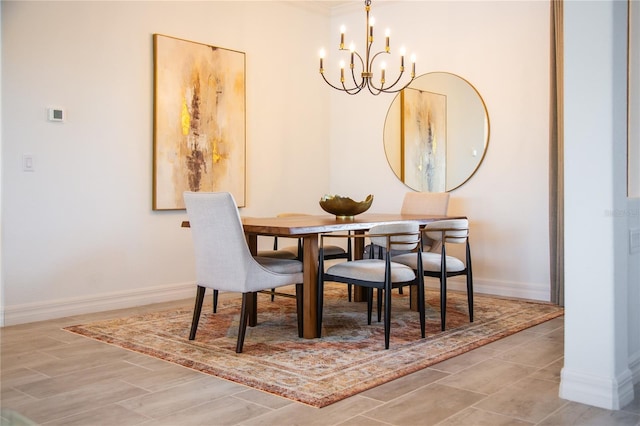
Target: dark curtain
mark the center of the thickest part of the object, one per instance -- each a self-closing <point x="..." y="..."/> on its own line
<point x="556" y="156"/>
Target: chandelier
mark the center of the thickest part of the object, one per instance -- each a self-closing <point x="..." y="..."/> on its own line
<point x="366" y="64"/>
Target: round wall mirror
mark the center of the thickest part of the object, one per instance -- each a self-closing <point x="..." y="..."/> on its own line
<point x="436" y="132"/>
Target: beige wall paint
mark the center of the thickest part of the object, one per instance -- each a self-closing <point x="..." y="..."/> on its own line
<point x="502" y="48"/>
<point x="79" y="233"/>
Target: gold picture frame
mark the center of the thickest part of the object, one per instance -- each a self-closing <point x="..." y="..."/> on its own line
<point x="199" y="121"/>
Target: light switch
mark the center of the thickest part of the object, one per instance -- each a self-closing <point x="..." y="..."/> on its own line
<point x="56" y="114"/>
<point x="28" y="163"/>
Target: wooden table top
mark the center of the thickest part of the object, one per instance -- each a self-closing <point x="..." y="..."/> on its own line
<point x="316" y="224"/>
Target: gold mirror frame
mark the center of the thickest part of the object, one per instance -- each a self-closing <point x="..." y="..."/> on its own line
<point x="436" y="132"/>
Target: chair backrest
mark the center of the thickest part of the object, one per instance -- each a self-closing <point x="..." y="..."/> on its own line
<point x="429" y="203"/>
<point x="397" y="242"/>
<point x="451" y="230"/>
<point x="221" y="252"/>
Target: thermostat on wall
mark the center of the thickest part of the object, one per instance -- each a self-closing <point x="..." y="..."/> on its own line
<point x="56" y="114"/>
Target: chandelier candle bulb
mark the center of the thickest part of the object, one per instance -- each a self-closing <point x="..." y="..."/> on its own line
<point x="342" y="71"/>
<point x="342" y="31"/>
<point x="371" y="23"/>
<point x="387" y="33"/>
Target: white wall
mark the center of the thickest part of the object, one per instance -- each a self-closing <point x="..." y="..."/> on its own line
<point x="78" y="233"/>
<point x="601" y="338"/>
<point x="633" y="294"/>
<point x="502" y="48"/>
<point x="633" y="206"/>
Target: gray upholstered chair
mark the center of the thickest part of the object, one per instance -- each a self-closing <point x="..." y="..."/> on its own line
<point x="429" y="203"/>
<point x="442" y="266"/>
<point x="287" y="252"/>
<point x="381" y="274"/>
<point x="331" y="252"/>
<point x="422" y="203"/>
<point x="224" y="262"/>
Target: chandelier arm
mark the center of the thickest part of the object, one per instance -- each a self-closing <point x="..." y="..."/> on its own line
<point x="330" y="84"/>
<point x="353" y="91"/>
<point x="371" y="67"/>
<point x="394" y="90"/>
<point x="397" y="80"/>
<point x="353" y="72"/>
<point x="389" y="89"/>
<point x="353" y="77"/>
<point x="371" y="88"/>
<point x="379" y="53"/>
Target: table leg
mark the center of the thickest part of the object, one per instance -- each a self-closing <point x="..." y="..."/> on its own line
<point x="310" y="285"/>
<point x="252" y="242"/>
<point x="359" y="293"/>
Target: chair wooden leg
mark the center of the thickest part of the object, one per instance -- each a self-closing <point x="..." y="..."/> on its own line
<point x="469" y="284"/>
<point x="244" y="317"/>
<point x="379" y="296"/>
<point x="443" y="300"/>
<point x="349" y="291"/>
<point x="196" y="312"/>
<point x="421" y="304"/>
<point x="470" y="297"/>
<point x="387" y="315"/>
<point x="370" y="305"/>
<point x="215" y="301"/>
<point x="273" y="294"/>
<point x="299" y="305"/>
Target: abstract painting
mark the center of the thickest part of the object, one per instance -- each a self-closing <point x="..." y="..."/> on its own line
<point x="424" y="140"/>
<point x="199" y="121"/>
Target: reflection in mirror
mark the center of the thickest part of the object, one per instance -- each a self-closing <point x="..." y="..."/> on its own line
<point x="436" y="132"/>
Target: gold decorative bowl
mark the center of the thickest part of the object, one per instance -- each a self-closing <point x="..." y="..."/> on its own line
<point x="345" y="207"/>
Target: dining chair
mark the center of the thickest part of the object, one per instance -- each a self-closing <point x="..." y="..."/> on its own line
<point x="442" y="266"/>
<point x="331" y="252"/>
<point x="423" y="203"/>
<point x="429" y="203"/>
<point x="382" y="274"/>
<point x="224" y="262"/>
<point x="287" y="252"/>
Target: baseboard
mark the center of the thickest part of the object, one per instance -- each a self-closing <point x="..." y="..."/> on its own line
<point x="497" y="288"/>
<point x="604" y="392"/>
<point x="32" y="312"/>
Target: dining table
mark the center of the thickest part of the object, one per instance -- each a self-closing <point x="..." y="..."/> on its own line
<point x="309" y="228"/>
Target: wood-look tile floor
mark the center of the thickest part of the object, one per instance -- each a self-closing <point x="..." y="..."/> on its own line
<point x="52" y="377"/>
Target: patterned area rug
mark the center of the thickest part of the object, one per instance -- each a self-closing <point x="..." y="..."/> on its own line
<point x="348" y="359"/>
